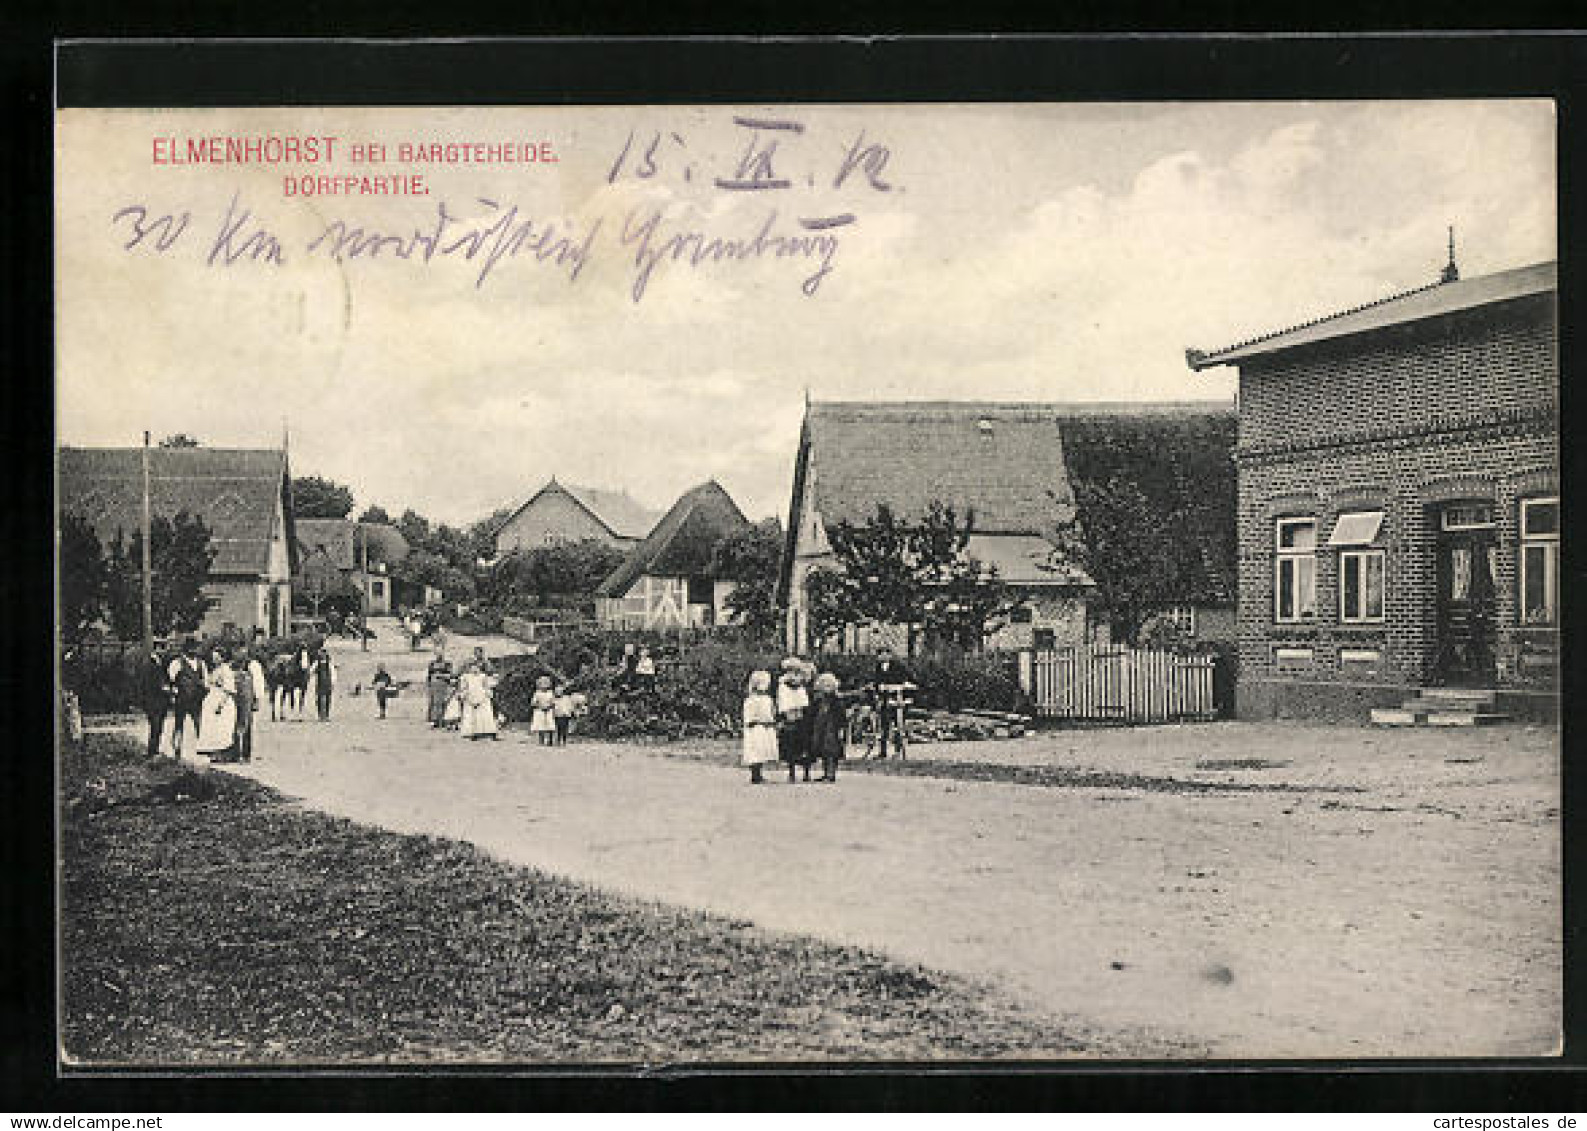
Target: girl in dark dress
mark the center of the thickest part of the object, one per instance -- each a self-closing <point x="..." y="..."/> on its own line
<point x="828" y="726"/>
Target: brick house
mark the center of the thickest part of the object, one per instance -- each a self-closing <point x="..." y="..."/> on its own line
<point x="562" y="512"/>
<point x="1399" y="499"/>
<point x="1014" y="466"/>
<point x="332" y="556"/>
<point x="244" y="497"/>
<point x="666" y="580"/>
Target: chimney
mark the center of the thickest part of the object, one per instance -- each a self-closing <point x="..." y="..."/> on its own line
<point x="1451" y="273"/>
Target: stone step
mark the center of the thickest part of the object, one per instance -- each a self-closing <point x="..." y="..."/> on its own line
<point x="1461" y="696"/>
<point x="1397" y="717"/>
<point x="1464" y="718"/>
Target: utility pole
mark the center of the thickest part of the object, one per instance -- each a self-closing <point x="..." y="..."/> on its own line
<point x="363" y="595"/>
<point x="148" y="559"/>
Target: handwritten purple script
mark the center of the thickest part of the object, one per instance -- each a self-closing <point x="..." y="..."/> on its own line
<point x="645" y="237"/>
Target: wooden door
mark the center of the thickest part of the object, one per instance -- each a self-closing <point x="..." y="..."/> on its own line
<point x="1466" y="569"/>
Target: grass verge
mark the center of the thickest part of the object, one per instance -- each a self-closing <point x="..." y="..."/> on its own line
<point x="207" y="920"/>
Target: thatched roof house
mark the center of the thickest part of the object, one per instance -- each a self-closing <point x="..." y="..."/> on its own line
<point x="666" y="581"/>
<point x="1015" y="467"/>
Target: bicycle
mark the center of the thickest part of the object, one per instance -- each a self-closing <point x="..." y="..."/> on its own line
<point x="865" y="724"/>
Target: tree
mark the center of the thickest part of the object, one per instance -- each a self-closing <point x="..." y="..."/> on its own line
<point x="179" y="440"/>
<point x="180" y="557"/>
<point x="314" y="497"/>
<point x="1129" y="548"/>
<point x="557" y="569"/>
<point x="375" y="513"/>
<point x="82" y="578"/>
<point x="415" y="528"/>
<point x="482" y="534"/>
<point x="751" y="558"/>
<point x="913" y="574"/>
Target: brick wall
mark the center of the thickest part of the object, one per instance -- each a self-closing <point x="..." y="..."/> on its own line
<point x="1403" y="421"/>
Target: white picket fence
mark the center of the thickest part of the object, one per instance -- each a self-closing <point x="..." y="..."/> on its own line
<point x="1129" y="685"/>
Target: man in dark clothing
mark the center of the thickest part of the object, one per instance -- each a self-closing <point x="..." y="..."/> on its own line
<point x="157" y="694"/>
<point x="890" y="679"/>
<point x="189" y="678"/>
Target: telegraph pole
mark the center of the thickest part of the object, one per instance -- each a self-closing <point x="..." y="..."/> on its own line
<point x="148" y="559"/>
<point x="363" y="595"/>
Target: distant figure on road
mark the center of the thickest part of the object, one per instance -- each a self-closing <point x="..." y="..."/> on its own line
<point x="158" y="697"/>
<point x="890" y="679"/>
<point x="628" y="678"/>
<point x="438" y="682"/>
<point x="217" y="720"/>
<point x="563" y="711"/>
<point x="247" y="703"/>
<point x="760" y="726"/>
<point x="189" y="679"/>
<point x="385" y="688"/>
<point x="322" y="677"/>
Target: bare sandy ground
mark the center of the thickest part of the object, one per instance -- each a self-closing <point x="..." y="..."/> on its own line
<point x="1397" y="895"/>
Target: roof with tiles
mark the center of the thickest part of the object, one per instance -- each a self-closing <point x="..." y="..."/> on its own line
<point x="682" y="543"/>
<point x="622" y="514"/>
<point x="1432" y="301"/>
<point x="338" y="538"/>
<point x="1014" y="466"/>
<point x="233" y="490"/>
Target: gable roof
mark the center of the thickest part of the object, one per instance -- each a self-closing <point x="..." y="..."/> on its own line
<point x="1432" y="301"/>
<point x="682" y="542"/>
<point x="233" y="490"/>
<point x="1015" y="466"/>
<point x="619" y="512"/>
<point x="338" y="538"/>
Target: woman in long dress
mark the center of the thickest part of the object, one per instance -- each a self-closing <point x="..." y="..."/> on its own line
<point x="217" y="718"/>
<point x="439" y="682"/>
<point x="479" y="710"/>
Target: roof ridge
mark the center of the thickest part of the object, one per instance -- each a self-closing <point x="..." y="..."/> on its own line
<point x="1328" y="317"/>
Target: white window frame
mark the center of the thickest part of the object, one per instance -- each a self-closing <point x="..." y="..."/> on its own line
<point x="1447" y="521"/>
<point x="1364" y="557"/>
<point x="1290" y="558"/>
<point x="1182" y="617"/>
<point x="1548" y="543"/>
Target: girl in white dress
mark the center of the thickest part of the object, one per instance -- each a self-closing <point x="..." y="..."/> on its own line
<point x="217" y="719"/>
<point x="760" y="726"/>
<point x="542" y="720"/>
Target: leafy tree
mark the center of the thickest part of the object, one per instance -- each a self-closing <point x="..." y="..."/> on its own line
<point x="751" y="559"/>
<point x="914" y="574"/>
<point x="829" y="604"/>
<point x="82" y="578"/>
<point x="415" y="528"/>
<point x="314" y="497"/>
<point x="573" y="568"/>
<point x="374" y="513"/>
<point x="180" y="557"/>
<point x="179" y="440"/>
<point x="1131" y="550"/>
<point x="482" y="534"/>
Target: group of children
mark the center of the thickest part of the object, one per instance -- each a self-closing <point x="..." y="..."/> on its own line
<point x="802" y="723"/>
<point x="552" y="711"/>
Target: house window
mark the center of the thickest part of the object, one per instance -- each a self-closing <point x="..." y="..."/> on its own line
<point x="1361" y="587"/>
<point x="1022" y="614"/>
<point x="1046" y="639"/>
<point x="1182" y="617"/>
<point x="1295" y="581"/>
<point x="1540" y="561"/>
<point x="1467" y="516"/>
<point x="377" y="588"/>
<point x="1361" y="567"/>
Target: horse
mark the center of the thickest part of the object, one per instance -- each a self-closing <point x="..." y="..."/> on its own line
<point x="288" y="682"/>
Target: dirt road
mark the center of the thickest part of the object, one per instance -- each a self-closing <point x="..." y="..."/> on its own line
<point x="1376" y="895"/>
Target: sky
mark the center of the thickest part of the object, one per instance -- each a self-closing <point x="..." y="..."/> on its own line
<point x="1012" y="252"/>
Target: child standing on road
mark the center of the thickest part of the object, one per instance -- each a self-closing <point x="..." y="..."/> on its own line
<point x="385" y="687"/>
<point x="828" y="726"/>
<point x="563" y="712"/>
<point x="543" y="703"/>
<point x="760" y="726"/>
<point x="792" y="703"/>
